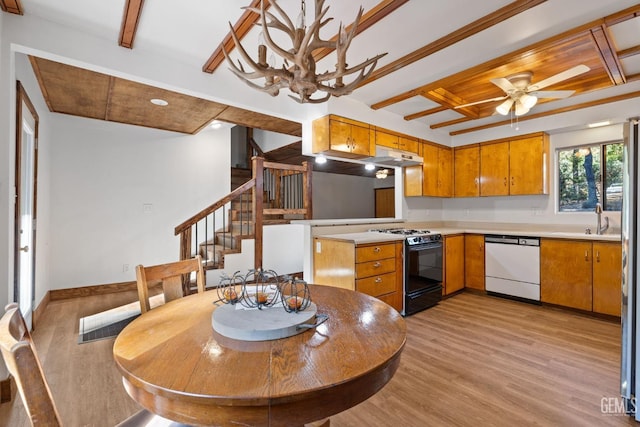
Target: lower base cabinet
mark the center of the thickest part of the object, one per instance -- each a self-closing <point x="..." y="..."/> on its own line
<point x="474" y="261"/>
<point x="581" y="274"/>
<point x="453" y="264"/>
<point x="375" y="269"/>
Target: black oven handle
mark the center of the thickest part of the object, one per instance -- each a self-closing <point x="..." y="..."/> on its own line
<point x="433" y="245"/>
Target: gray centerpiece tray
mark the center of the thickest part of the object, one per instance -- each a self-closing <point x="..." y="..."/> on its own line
<point x="268" y="323"/>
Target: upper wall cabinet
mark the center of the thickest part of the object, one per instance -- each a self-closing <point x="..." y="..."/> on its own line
<point x="395" y="140"/>
<point x="435" y="176"/>
<point x="342" y="137"/>
<point x="466" y="179"/>
<point x="515" y="166"/>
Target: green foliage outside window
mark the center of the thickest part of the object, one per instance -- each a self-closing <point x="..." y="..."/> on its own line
<point x="589" y="175"/>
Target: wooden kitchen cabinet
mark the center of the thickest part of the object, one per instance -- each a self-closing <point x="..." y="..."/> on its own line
<point x="453" y="264"/>
<point x="466" y="160"/>
<point x="474" y="261"/>
<point x="607" y="273"/>
<point x="515" y="166"/>
<point x="342" y="137"/>
<point x="566" y="273"/>
<point x="375" y="269"/>
<point x="437" y="170"/>
<point x="529" y="165"/>
<point x="412" y="181"/>
<point x="396" y="140"/>
<point x="494" y="169"/>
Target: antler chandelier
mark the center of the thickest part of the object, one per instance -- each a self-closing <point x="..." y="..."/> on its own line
<point x="298" y="72"/>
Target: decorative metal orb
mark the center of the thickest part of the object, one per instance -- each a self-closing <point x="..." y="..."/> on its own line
<point x="295" y="295"/>
<point x="230" y="288"/>
<point x="261" y="288"/>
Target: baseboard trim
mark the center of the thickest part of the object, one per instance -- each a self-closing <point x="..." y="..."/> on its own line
<point x="85" y="291"/>
<point x="6" y="393"/>
<point x="39" y="311"/>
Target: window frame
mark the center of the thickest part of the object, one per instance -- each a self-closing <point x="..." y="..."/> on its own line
<point x="603" y="170"/>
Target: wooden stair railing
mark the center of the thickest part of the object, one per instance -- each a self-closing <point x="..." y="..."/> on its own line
<point x="276" y="191"/>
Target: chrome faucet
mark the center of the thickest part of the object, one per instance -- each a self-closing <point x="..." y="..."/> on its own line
<point x="599" y="228"/>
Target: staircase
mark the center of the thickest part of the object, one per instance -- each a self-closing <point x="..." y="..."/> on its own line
<point x="274" y="193"/>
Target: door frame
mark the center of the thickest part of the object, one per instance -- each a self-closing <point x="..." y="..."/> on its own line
<point x="22" y="97"/>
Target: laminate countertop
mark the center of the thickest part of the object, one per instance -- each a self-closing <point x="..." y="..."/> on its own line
<point x="368" y="237"/>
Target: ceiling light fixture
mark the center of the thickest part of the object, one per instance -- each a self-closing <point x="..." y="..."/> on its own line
<point x="369" y="166"/>
<point x="505" y="107"/>
<point x="216" y="124"/>
<point x="382" y="173"/>
<point x="599" y="124"/>
<point x="298" y="72"/>
<point x="321" y="160"/>
<point x="159" y="102"/>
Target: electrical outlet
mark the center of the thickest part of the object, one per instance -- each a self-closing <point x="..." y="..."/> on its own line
<point x="125" y="268"/>
<point x="147" y="208"/>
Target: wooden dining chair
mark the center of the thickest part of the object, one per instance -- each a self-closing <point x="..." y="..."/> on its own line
<point x="170" y="275"/>
<point x="22" y="361"/>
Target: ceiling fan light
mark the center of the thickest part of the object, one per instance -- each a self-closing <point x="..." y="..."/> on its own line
<point x="504" y="107"/>
<point x="528" y="101"/>
<point x="521" y="109"/>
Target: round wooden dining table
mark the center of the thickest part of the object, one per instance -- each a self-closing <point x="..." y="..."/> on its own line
<point x="176" y="365"/>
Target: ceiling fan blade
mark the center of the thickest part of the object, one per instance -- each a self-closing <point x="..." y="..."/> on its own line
<point x="504" y="84"/>
<point x="552" y="93"/>
<point x="567" y="74"/>
<point x="500" y="98"/>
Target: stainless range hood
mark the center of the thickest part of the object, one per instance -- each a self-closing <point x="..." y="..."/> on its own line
<point x="392" y="157"/>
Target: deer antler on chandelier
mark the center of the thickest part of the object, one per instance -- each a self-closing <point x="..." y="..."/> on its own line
<point x="301" y="77"/>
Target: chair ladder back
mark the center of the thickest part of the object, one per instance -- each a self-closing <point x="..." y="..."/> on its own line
<point x="21" y="360"/>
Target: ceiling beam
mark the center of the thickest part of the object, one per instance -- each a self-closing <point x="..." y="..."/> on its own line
<point x="425" y="113"/>
<point x="12" y="6"/>
<point x="631" y="51"/>
<point x="241" y="28"/>
<point x="450" y="39"/>
<point x="450" y="122"/>
<point x="608" y="54"/>
<point x="130" y="20"/>
<point x="381" y="10"/>
<point x="450" y="100"/>
<point x="551" y="112"/>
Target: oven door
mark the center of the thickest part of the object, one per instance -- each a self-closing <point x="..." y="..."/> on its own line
<point x="423" y="266"/>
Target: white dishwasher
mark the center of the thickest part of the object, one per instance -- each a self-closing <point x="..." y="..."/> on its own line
<point x="512" y="266"/>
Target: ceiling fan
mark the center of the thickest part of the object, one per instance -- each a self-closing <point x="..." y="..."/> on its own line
<point x="520" y="91"/>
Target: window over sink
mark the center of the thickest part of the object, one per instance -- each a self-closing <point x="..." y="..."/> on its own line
<point x="590" y="174"/>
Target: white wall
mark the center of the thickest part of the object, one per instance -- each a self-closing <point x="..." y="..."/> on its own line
<point x="7" y="103"/>
<point x="271" y="140"/>
<point x="342" y="196"/>
<point x="102" y="175"/>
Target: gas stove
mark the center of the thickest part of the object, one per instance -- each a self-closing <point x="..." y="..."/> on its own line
<point x="412" y="236"/>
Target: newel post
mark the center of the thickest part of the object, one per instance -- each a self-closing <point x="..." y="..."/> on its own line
<point x="258" y="202"/>
<point x="307" y="190"/>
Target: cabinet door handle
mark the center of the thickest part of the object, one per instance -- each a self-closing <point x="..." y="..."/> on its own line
<point x="586" y="255"/>
<point x="597" y="256"/>
<point x="376" y="249"/>
<point x="377" y="264"/>
<point x="476" y="180"/>
<point x="512" y="183"/>
<point x="378" y="279"/>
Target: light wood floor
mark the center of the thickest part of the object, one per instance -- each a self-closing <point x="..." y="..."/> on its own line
<point x="472" y="360"/>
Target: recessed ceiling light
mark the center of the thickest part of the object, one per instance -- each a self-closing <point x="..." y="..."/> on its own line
<point x="321" y="160"/>
<point x="369" y="166"/>
<point x="160" y="102"/>
<point x="598" y="124"/>
<point x="216" y="124"/>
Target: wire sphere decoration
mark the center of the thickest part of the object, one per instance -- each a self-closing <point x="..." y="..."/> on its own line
<point x="260" y="288"/>
<point x="230" y="288"/>
<point x="295" y="295"/>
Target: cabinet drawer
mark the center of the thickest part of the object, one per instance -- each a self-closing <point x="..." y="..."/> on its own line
<point x="377" y="285"/>
<point x="375" y="252"/>
<point x="366" y="269"/>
